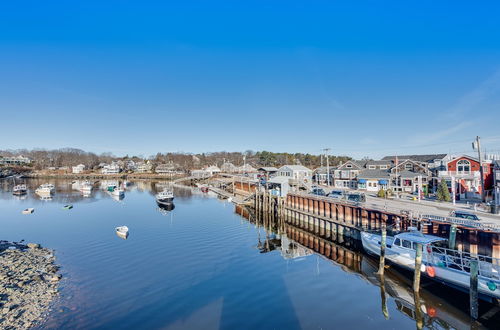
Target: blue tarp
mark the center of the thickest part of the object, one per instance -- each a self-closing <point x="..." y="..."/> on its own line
<point x="362" y="181"/>
<point x="383" y="182"/>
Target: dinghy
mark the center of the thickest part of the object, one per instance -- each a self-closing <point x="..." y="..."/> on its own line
<point x="67" y="207"/>
<point x="28" y="210"/>
<point x="122" y="232"/>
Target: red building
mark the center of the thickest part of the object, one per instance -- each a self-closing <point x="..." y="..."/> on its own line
<point x="465" y="172"/>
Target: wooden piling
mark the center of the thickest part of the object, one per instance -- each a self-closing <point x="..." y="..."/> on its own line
<point x="418" y="265"/>
<point x="453" y="237"/>
<point x="383" y="240"/>
<point x="473" y="289"/>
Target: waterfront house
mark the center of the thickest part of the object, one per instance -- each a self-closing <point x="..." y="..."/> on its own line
<point x="320" y="175"/>
<point x="267" y="172"/>
<point x="168" y="168"/>
<point x="429" y="161"/>
<point x="228" y="168"/>
<point x="78" y="169"/>
<point x="130" y="165"/>
<point x="14" y="160"/>
<point x="345" y="176"/>
<point x="112" y="168"/>
<point x="144" y="167"/>
<point x="408" y="174"/>
<point x="212" y="170"/>
<point x="247" y="168"/>
<point x="296" y="172"/>
<point x="373" y="180"/>
<point x="464" y="171"/>
<point x="200" y="174"/>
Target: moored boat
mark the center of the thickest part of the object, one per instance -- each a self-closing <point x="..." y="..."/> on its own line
<point x="29" y="210"/>
<point x="122" y="232"/>
<point x="45" y="189"/>
<point x="20" y="189"/>
<point x="165" y="197"/>
<point x="438" y="262"/>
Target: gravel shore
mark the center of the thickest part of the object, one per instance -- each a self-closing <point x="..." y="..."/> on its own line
<point x="28" y="284"/>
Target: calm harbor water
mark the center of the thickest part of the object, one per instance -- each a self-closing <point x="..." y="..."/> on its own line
<point x="202" y="265"/>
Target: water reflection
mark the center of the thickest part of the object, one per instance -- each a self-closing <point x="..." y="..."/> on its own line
<point x="428" y="309"/>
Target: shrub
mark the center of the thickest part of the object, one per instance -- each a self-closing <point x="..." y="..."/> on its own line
<point x="381" y="193"/>
<point x="443" y="194"/>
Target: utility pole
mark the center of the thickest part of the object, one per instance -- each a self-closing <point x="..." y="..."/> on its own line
<point x="326" y="150"/>
<point x="476" y="145"/>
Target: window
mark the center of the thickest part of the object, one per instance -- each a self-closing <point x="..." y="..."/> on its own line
<point x="463" y="165"/>
<point x="397" y="242"/>
<point x="383" y="167"/>
<point x="372" y="167"/>
<point x="348" y="166"/>
<point x="409" y="166"/>
<point x="406" y="244"/>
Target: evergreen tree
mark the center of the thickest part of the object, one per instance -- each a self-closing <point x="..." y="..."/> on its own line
<point x="443" y="194"/>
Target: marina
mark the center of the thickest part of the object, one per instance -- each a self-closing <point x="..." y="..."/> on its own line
<point x="289" y="262"/>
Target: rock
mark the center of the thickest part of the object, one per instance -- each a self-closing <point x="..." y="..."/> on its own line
<point x="33" y="245"/>
<point x="56" y="277"/>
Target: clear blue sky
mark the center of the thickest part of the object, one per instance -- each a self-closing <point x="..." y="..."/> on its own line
<point x="364" y="78"/>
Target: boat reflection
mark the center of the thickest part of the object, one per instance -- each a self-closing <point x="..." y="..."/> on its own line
<point x="165" y="209"/>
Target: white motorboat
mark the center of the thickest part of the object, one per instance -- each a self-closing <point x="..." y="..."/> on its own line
<point x="165" y="197"/>
<point x="122" y="231"/>
<point x="20" y="189"/>
<point x="438" y="262"/>
<point x="45" y="189"/>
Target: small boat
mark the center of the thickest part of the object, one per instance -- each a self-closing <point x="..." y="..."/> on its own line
<point x="165" y="197"/>
<point x="438" y="262"/>
<point x="111" y="187"/>
<point x="67" y="207"/>
<point x="20" y="189"/>
<point x="28" y="210"/>
<point x="45" y="189"/>
<point x="204" y="189"/>
<point x="122" y="231"/>
<point x="230" y="199"/>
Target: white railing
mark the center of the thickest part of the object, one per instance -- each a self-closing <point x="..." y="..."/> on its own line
<point x="489" y="267"/>
<point x="463" y="222"/>
<point x="459" y="174"/>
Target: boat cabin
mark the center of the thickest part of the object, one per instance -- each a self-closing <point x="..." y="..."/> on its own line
<point x="409" y="240"/>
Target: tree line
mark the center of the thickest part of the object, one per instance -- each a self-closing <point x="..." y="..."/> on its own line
<point x="43" y="158"/>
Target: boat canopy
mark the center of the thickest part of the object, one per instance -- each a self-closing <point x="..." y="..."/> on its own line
<point x="418" y="237"/>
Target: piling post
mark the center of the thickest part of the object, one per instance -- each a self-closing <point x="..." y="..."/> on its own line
<point x="453" y="237"/>
<point x="383" y="240"/>
<point x="473" y="289"/>
<point x="418" y="265"/>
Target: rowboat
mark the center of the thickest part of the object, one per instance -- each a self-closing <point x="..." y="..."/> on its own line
<point x="122" y="232"/>
<point x="28" y="210"/>
<point x="165" y="197"/>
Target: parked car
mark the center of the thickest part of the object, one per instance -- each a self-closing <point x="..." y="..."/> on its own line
<point x="318" y="191"/>
<point x="357" y="198"/>
<point x="464" y="215"/>
<point x="336" y="194"/>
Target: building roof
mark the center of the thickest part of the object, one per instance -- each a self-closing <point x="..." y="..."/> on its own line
<point x="268" y="169"/>
<point x="374" y="174"/>
<point x="295" y="167"/>
<point x="420" y="158"/>
<point x="378" y="162"/>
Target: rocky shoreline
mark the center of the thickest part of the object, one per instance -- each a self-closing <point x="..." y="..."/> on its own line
<point x="28" y="284"/>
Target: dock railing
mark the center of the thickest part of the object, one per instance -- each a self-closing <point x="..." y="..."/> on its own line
<point x="476" y="224"/>
<point x="489" y="267"/>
